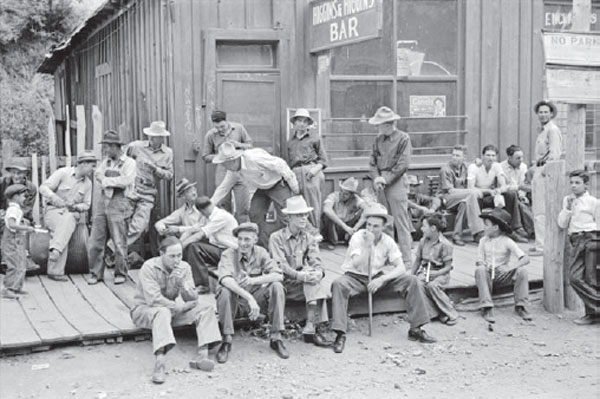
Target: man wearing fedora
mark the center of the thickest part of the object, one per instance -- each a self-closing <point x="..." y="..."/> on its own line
<point x="492" y="267"/>
<point x="250" y="281"/>
<point x="307" y="159"/>
<point x="154" y="162"/>
<point x="341" y="212"/>
<point x="548" y="147"/>
<point x="389" y="164"/>
<point x="68" y="192"/>
<point x="297" y="254"/>
<point x="269" y="175"/>
<point x="370" y="250"/>
<point x="116" y="178"/>
<point x="224" y="130"/>
<point x="185" y="217"/>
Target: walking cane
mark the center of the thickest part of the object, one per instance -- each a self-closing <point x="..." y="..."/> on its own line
<point x="370" y="296"/>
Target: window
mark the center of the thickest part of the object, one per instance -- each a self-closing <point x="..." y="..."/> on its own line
<point x="413" y="68"/>
<point x="254" y="55"/>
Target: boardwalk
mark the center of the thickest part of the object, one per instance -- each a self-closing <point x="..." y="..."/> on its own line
<point x="57" y="313"/>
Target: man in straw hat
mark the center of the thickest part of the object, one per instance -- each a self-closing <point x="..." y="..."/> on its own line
<point x="297" y="254"/>
<point x="68" y="192"/>
<point x="341" y="212"/>
<point x="307" y="158"/>
<point x="224" y="130"/>
<point x="492" y="267"/>
<point x="389" y="164"/>
<point x="163" y="280"/>
<point x="186" y="216"/>
<point x="372" y="249"/>
<point x="250" y="281"/>
<point x="269" y="175"/>
<point x="116" y="178"/>
<point x="548" y="147"/>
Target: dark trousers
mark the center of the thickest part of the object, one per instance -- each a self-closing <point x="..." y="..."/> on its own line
<point x="262" y="199"/>
<point x="204" y="258"/>
<point x="583" y="261"/>
<point x="332" y="232"/>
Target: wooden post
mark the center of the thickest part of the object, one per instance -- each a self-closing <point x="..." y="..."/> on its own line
<point x="43" y="177"/>
<point x="575" y="140"/>
<point x="80" y="112"/>
<point x="51" y="144"/>
<point x="35" y="179"/>
<point x="554" y="246"/>
<point x="68" y="135"/>
<point x="97" y="129"/>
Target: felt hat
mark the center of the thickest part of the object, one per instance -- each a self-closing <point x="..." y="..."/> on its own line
<point x="111" y="137"/>
<point x="296" y="205"/>
<point x="156" y="129"/>
<point x="182" y="186"/>
<point x="86" y="156"/>
<point x="14" y="189"/>
<point x="302" y="112"/>
<point x="413" y="180"/>
<point x="246" y="226"/>
<point x="227" y="152"/>
<point x="383" y="115"/>
<point x="546" y="103"/>
<point x="350" y="184"/>
<point x="202" y="202"/>
<point x="499" y="216"/>
<point x="380" y="211"/>
<point x="18" y="164"/>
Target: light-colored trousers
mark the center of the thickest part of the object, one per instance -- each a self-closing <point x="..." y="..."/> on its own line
<point x="241" y="194"/>
<point x="485" y="285"/>
<point x="465" y="201"/>
<point x="142" y="208"/>
<point x="61" y="224"/>
<point x="395" y="199"/>
<point x="538" y="206"/>
<point x="160" y="320"/>
<point x="311" y="190"/>
<point x="436" y="293"/>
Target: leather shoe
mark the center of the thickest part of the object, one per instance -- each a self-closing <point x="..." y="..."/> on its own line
<point x="521" y="311"/>
<point x="458" y="241"/>
<point x="94" y="280"/>
<point x="517" y="238"/>
<point x="158" y="375"/>
<point x="279" y="348"/>
<point x="587" y="320"/>
<point x="521" y="232"/>
<point x="58" y="277"/>
<point x="223" y="352"/>
<point x="318" y="339"/>
<point x="488" y="315"/>
<point x="340" y="342"/>
<point x="418" y="334"/>
<point x="119" y="279"/>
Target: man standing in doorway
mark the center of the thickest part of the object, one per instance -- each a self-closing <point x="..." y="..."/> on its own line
<point x="548" y="147"/>
<point x="389" y="163"/>
<point x="224" y="130"/>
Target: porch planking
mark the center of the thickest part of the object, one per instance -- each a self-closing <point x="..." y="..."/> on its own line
<point x="57" y="313"/>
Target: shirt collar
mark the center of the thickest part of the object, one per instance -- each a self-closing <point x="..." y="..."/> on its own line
<point x="157" y="263"/>
<point x="250" y="256"/>
<point x="305" y="135"/>
<point x="161" y="148"/>
<point x="392" y="137"/>
<point x="74" y="174"/>
<point x="14" y="205"/>
<point x="287" y="234"/>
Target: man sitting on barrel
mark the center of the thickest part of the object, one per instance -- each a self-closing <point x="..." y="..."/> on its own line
<point x="69" y="194"/>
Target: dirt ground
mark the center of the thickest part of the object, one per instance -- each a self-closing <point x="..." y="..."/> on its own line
<point x="549" y="358"/>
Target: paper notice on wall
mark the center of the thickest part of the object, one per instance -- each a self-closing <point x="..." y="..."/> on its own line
<point x="408" y="61"/>
<point x="427" y="106"/>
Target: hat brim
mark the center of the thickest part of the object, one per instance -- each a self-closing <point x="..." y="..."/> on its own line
<point x="548" y="104"/>
<point x="347" y="189"/>
<point x="378" y="121"/>
<point x="297" y="211"/>
<point x="220" y="159"/>
<point x="503" y="226"/>
<point x="310" y="120"/>
<point x="87" y="160"/>
<point x="238" y="230"/>
<point x="388" y="218"/>
<point x="111" y="142"/>
<point x="185" y="188"/>
<point x="147" y="132"/>
<point x="17" y="167"/>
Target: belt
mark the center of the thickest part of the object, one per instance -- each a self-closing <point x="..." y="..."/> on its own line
<point x="580" y="235"/>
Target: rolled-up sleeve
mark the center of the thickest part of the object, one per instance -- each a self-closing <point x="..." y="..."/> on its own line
<point x="226" y="266"/>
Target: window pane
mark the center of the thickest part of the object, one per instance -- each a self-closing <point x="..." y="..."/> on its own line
<point x="427" y="37"/>
<point x="236" y="54"/>
<point x="359" y="99"/>
<point x="434" y="91"/>
<point x="371" y="57"/>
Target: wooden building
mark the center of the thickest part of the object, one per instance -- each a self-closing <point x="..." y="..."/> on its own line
<point x="457" y="71"/>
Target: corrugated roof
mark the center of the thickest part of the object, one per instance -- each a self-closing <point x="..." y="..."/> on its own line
<point x="59" y="52"/>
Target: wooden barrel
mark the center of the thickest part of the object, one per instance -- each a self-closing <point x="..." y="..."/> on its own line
<point x="77" y="260"/>
<point x="38" y="249"/>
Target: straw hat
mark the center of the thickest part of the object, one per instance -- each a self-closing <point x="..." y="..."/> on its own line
<point x="379" y="211"/>
<point x="86" y="156"/>
<point x="383" y="115"/>
<point x="227" y="152"/>
<point x="350" y="184"/>
<point x="501" y="217"/>
<point x="182" y="186"/>
<point x="296" y="205"/>
<point x="302" y="112"/>
<point x="111" y="137"/>
<point x="156" y="129"/>
<point x="246" y="226"/>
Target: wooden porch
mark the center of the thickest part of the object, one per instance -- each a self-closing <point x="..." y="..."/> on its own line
<point x="55" y="313"/>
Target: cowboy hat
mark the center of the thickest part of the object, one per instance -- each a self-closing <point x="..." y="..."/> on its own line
<point x="500" y="217"/>
<point x="384" y="115"/>
<point x="227" y="152"/>
<point x="350" y="184"/>
<point x="156" y="129"/>
<point x="13" y="190"/>
<point x="302" y="112"/>
<point x="413" y="180"/>
<point x="182" y="186"/>
<point x="86" y="156"/>
<point x="246" y="226"/>
<point x="379" y="210"/>
<point x="546" y="103"/>
<point x="111" y="137"/>
<point x="18" y="164"/>
<point x="296" y="205"/>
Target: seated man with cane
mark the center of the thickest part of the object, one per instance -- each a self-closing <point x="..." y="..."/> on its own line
<point x="373" y="261"/>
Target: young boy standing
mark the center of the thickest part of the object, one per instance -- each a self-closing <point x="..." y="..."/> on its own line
<point x="13" y="242"/>
<point x="581" y="216"/>
<point x="494" y="252"/>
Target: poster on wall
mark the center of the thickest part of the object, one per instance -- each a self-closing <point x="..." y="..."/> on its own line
<point x="408" y="60"/>
<point x="427" y="106"/>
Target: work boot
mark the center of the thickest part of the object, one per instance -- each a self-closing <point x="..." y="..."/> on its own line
<point x="223" y="353"/>
<point x="119" y="279"/>
<point x="279" y="348"/>
<point x="457" y="240"/>
<point x="8" y="294"/>
<point x="521" y="232"/>
<point x="521" y="311"/>
<point x="418" y="334"/>
<point x="340" y="342"/>
<point x="93" y="280"/>
<point x="158" y="375"/>
<point x="587" y="320"/>
<point x="58" y="277"/>
<point x="488" y="315"/>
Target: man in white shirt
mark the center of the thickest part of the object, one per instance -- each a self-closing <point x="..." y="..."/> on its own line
<point x="515" y="171"/>
<point x="270" y="176"/>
